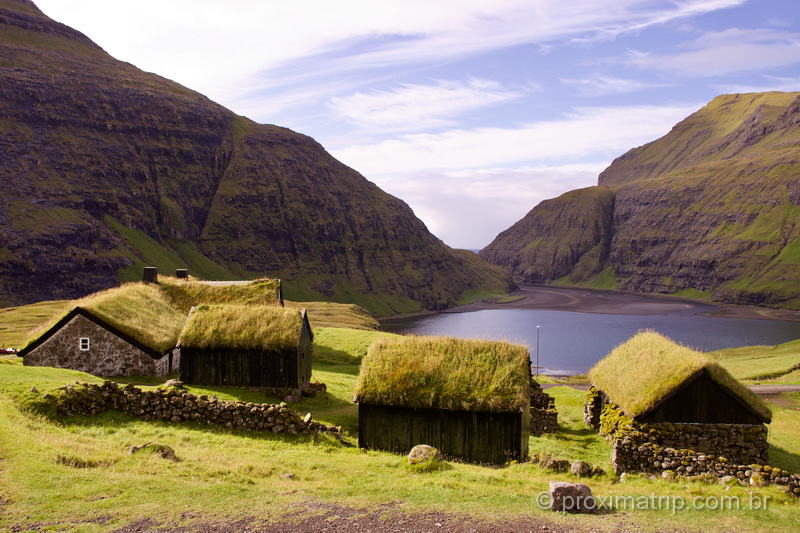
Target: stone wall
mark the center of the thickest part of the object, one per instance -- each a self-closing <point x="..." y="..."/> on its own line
<point x="648" y="457"/>
<point x="108" y="355"/>
<point x="544" y="416"/>
<point x="739" y="443"/>
<point x="593" y="408"/>
<point x="175" y="405"/>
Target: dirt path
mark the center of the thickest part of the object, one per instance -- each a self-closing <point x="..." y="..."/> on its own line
<point x="333" y="518"/>
<point x="614" y="302"/>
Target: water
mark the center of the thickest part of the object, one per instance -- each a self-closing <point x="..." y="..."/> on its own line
<point x="571" y="342"/>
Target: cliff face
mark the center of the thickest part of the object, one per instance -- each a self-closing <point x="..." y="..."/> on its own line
<point x="568" y="235"/>
<point x="104" y="168"/>
<point x="711" y="209"/>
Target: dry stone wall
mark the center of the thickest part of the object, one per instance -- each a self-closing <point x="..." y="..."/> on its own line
<point x="175" y="405"/>
<point x="648" y="457"/>
<point x="544" y="416"/>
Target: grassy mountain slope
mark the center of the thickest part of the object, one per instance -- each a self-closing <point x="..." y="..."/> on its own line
<point x="713" y="206"/>
<point x="105" y="168"/>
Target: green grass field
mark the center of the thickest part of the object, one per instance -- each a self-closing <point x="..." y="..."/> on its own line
<point x="763" y="364"/>
<point x="78" y="476"/>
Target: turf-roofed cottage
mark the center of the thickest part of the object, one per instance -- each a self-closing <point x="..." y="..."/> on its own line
<point x="468" y="398"/>
<point x="651" y="389"/>
<point x="127" y="331"/>
<point x="246" y="345"/>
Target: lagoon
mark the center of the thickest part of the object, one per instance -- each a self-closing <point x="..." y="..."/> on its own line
<point x="572" y="341"/>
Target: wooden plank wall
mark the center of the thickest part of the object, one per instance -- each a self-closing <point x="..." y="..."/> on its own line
<point x="474" y="436"/>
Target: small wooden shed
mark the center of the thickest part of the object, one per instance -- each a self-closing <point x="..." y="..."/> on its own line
<point x="127" y="331"/>
<point x="653" y="379"/>
<point x="468" y="398"/>
<point x="246" y="346"/>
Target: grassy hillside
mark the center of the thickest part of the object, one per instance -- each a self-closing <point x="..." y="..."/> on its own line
<point x="79" y="476"/>
<point x="763" y="364"/>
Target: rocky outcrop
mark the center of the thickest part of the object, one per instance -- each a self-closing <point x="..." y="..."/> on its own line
<point x="712" y="207"/>
<point x="105" y="168"/>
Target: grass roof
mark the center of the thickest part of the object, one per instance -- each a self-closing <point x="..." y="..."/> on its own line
<point x="139" y="310"/>
<point x="336" y="315"/>
<point x="187" y="294"/>
<point x="637" y="374"/>
<point x="445" y="373"/>
<point x="246" y="327"/>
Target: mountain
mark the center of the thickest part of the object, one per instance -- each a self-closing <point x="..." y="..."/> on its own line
<point x="710" y="210"/>
<point x="105" y="168"/>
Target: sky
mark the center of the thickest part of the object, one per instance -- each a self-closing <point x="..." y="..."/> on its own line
<point x="471" y="111"/>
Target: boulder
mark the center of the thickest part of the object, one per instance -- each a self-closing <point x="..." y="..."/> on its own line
<point x="176" y="383"/>
<point x="571" y="497"/>
<point x="581" y="468"/>
<point x="556" y="465"/>
<point x="422" y="453"/>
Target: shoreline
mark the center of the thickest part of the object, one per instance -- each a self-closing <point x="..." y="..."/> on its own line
<point x="601" y="301"/>
<point x="606" y="301"/>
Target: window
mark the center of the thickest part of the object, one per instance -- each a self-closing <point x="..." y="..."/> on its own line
<point x="83" y="344"/>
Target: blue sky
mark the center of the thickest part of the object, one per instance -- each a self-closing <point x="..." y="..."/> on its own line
<point x="470" y="111"/>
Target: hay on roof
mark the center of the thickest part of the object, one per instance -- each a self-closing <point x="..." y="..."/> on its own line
<point x="445" y="373"/>
<point x="244" y="327"/>
<point x="187" y="294"/>
<point x="139" y="310"/>
<point x="639" y="373"/>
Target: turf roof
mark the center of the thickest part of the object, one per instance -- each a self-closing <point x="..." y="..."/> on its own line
<point x="246" y="327"/>
<point x="186" y="294"/>
<point x="139" y="310"/>
<point x="639" y="373"/>
<point x="445" y="373"/>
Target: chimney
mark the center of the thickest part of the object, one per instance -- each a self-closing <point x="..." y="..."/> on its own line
<point x="182" y="273"/>
<point x="150" y="275"/>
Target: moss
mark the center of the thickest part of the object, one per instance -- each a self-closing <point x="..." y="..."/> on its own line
<point x="186" y="294"/>
<point x="445" y="373"/>
<point x="247" y="327"/>
<point x="643" y="370"/>
<point x="614" y="423"/>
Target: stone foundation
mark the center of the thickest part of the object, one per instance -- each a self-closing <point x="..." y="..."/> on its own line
<point x="593" y="408"/>
<point x="544" y="416"/>
<point x="174" y="405"/>
<point x="628" y="456"/>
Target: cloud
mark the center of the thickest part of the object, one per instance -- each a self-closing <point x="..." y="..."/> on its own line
<point x="468" y="185"/>
<point x="599" y="85"/>
<point x="469" y="209"/>
<point x="726" y="52"/>
<point x="580" y="134"/>
<point x="768" y="83"/>
<point x="417" y="107"/>
<point x="232" y="50"/>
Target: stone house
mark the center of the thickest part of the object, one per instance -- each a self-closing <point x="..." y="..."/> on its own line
<point x="653" y="391"/>
<point x="83" y="341"/>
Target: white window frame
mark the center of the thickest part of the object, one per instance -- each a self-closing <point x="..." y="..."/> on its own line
<point x="84" y="344"/>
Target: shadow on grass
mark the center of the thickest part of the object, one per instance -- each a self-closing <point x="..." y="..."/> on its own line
<point x="576" y="432"/>
<point x="784" y="459"/>
<point x="117" y="419"/>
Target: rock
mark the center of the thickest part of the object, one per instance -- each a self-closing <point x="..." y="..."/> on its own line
<point x="175" y="383"/>
<point x="288" y="475"/>
<point x="757" y="479"/>
<point x="162" y="450"/>
<point x="580" y="468"/>
<point x="571" y="497"/>
<point x="307" y="418"/>
<point x="667" y="474"/>
<point x="556" y="465"/>
<point x="422" y="453"/>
